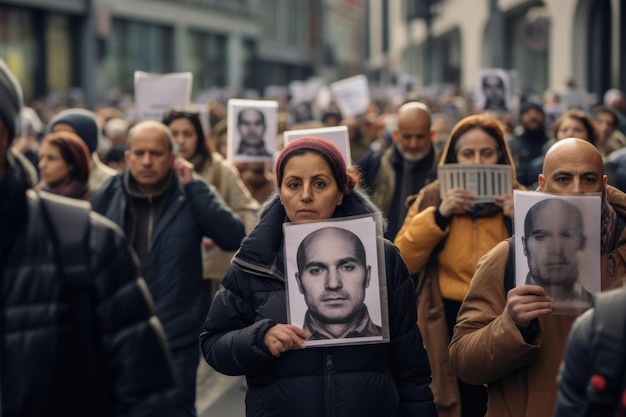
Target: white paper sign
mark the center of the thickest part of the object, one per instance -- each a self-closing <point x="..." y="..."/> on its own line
<point x="486" y="182"/>
<point x="336" y="134"/>
<point x="352" y="95"/>
<point x="156" y="93"/>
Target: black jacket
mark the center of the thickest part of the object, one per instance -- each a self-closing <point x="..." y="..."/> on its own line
<point x="386" y="379"/>
<point x="41" y="354"/>
<point x="174" y="267"/>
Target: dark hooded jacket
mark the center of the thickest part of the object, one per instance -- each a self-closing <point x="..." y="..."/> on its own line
<point x="42" y="358"/>
<point x="385" y="379"/>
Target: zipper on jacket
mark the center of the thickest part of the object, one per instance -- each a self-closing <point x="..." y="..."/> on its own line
<point x="611" y="266"/>
<point x="329" y="385"/>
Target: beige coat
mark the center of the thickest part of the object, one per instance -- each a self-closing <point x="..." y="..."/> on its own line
<point x="223" y="175"/>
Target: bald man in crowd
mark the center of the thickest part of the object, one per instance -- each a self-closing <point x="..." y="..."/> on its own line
<point x="393" y="174"/>
<point x="513" y="342"/>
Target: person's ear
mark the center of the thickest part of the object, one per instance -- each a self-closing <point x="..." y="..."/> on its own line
<point x="299" y="283"/>
<point x="432" y="136"/>
<point x="583" y="242"/>
<point x="368" y="274"/>
<point x="340" y="199"/>
<point x="524" y="246"/>
<point x="605" y="180"/>
<point x="542" y="182"/>
<point x="395" y="134"/>
<point x="127" y="156"/>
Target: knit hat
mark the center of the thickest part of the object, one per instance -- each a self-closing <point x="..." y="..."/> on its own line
<point x="10" y="101"/>
<point x="321" y="146"/>
<point x="83" y="122"/>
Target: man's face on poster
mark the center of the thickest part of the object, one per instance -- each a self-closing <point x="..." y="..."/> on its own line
<point x="552" y="243"/>
<point x="493" y="87"/>
<point x="333" y="275"/>
<point x="251" y="125"/>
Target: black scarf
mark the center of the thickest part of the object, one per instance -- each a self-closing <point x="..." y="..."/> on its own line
<point x="12" y="204"/>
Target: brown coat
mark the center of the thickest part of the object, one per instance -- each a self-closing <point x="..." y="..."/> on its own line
<point x="488" y="348"/>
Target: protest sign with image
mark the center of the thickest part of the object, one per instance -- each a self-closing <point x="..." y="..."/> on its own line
<point x="336" y="283"/>
<point x="557" y="246"/>
<point x="252" y="126"/>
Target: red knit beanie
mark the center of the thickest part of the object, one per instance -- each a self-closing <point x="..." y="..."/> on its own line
<point x="325" y="148"/>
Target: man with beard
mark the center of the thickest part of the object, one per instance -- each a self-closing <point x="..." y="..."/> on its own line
<point x="528" y="145"/>
<point x="513" y="342"/>
<point x="393" y="174"/>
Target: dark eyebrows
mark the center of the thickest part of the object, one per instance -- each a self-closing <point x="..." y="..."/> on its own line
<point x="340" y="262"/>
<point x="569" y="174"/>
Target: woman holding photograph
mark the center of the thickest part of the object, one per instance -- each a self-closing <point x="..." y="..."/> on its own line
<point x="246" y="330"/>
<point x="442" y="240"/>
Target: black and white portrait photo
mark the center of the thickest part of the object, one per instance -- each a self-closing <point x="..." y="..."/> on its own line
<point x="334" y="282"/>
<point x="252" y="130"/>
<point x="559" y="241"/>
<point x="493" y="93"/>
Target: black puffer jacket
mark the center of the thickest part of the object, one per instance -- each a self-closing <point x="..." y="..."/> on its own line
<point x="388" y="379"/>
<point x="41" y="354"/>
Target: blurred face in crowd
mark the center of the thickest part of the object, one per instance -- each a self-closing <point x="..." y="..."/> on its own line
<point x="476" y="147"/>
<point x="53" y="169"/>
<point x="149" y="156"/>
<point x="606" y="126"/>
<point x="533" y="120"/>
<point x="413" y="136"/>
<point x="572" y="166"/>
<point x="571" y="128"/>
<point x="333" y="276"/>
<point x="553" y="242"/>
<point x="184" y="136"/>
<point x="251" y="126"/>
<point x="308" y="190"/>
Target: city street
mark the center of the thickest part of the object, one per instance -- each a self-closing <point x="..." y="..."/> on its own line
<point x="219" y="395"/>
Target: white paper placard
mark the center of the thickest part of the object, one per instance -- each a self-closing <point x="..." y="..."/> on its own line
<point x="336" y="134"/>
<point x="352" y="95"/>
<point x="156" y="93"/>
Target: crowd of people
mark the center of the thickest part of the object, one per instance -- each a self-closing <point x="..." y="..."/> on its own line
<point x="181" y="256"/>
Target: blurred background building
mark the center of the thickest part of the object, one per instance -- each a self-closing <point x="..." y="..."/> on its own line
<point x="87" y="50"/>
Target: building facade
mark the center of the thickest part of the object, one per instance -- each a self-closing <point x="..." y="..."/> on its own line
<point x="88" y="50"/>
<point x="546" y="43"/>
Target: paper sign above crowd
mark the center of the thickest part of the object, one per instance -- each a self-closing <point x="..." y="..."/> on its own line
<point x="252" y="126"/>
<point x="336" y="134"/>
<point x="156" y="93"/>
<point x="352" y="95"/>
